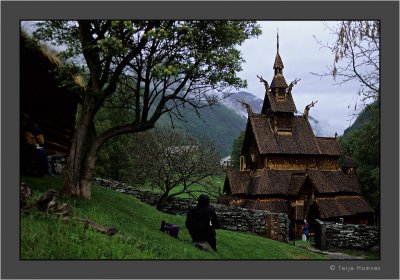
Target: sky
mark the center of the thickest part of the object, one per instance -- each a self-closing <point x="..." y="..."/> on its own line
<point x="301" y="55"/>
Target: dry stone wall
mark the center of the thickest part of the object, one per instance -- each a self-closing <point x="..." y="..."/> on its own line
<point x="330" y="235"/>
<point x="231" y="218"/>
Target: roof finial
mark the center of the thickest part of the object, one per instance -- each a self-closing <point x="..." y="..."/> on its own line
<point x="277" y="40"/>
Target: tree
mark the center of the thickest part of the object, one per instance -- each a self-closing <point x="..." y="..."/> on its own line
<point x="113" y="159"/>
<point x="356" y="53"/>
<point x="363" y="145"/>
<point x="236" y="150"/>
<point x="173" y="162"/>
<point x="155" y="66"/>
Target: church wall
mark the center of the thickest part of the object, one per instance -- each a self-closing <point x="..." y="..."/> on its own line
<point x="328" y="163"/>
<point x="252" y="158"/>
<point x="280" y="162"/>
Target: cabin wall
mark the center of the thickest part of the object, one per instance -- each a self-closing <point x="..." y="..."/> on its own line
<point x="45" y="101"/>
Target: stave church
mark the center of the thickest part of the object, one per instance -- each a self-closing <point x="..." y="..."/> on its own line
<point x="285" y="168"/>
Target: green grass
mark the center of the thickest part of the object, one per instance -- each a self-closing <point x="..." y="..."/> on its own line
<point x="196" y="190"/>
<point x="49" y="237"/>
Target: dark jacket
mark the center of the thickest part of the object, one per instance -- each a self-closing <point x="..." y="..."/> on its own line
<point x="201" y="221"/>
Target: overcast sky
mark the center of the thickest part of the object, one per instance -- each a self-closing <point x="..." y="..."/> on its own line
<point x="301" y="55"/>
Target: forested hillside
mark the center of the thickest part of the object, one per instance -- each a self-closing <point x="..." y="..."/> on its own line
<point x="361" y="142"/>
<point x="218" y="123"/>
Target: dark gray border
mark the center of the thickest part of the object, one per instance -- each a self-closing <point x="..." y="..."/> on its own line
<point x="12" y="12"/>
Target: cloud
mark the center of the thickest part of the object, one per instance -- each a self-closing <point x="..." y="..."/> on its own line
<point x="301" y="55"/>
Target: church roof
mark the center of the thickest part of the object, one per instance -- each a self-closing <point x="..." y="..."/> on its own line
<point x="281" y="106"/>
<point x="333" y="181"/>
<point x="278" y="62"/>
<point x="343" y="206"/>
<point x="289" y="182"/>
<point x="301" y="141"/>
<point x="328" y="146"/>
<point x="278" y="81"/>
<point x="237" y="182"/>
<point x="272" y="205"/>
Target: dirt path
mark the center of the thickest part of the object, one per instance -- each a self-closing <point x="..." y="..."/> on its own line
<point x="335" y="255"/>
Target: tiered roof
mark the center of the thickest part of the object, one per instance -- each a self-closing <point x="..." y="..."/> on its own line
<point x="278" y="132"/>
<point x="289" y="182"/>
<point x="301" y="141"/>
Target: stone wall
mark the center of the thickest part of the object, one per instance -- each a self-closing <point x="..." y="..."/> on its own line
<point x="231" y="218"/>
<point x="332" y="235"/>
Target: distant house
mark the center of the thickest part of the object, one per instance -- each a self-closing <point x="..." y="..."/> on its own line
<point x="285" y="168"/>
<point x="226" y="161"/>
<point x="44" y="99"/>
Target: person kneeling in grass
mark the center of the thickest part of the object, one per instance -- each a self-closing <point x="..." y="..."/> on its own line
<point x="201" y="221"/>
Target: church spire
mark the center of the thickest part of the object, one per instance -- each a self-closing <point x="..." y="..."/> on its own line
<point x="278" y="65"/>
<point x="278" y="81"/>
<point x="277" y="41"/>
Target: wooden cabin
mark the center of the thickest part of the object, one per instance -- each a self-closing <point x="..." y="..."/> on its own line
<point x="48" y="103"/>
<point x="285" y="168"/>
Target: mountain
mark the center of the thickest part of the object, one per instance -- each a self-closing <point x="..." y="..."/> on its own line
<point x="218" y="123"/>
<point x="233" y="102"/>
<point x="223" y="123"/>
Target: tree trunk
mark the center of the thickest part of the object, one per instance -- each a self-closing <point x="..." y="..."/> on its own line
<point x="162" y="201"/>
<point x="72" y="170"/>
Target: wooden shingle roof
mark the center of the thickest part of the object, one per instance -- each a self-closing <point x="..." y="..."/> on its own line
<point x="273" y="182"/>
<point x="289" y="182"/>
<point x="281" y="106"/>
<point x="301" y="141"/>
<point x="272" y="205"/>
<point x="296" y="182"/>
<point x="278" y="62"/>
<point x="343" y="206"/>
<point x="278" y="81"/>
<point x="333" y="181"/>
<point x="237" y="182"/>
<point x="328" y="146"/>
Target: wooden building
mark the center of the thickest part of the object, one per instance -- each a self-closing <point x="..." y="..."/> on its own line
<point x="47" y="102"/>
<point x="285" y="168"/>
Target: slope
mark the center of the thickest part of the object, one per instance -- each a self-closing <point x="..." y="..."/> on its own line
<point x="138" y="237"/>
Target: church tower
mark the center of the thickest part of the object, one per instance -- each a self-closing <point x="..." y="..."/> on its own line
<point x="278" y="101"/>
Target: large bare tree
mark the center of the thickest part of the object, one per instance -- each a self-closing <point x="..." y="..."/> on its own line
<point x="174" y="162"/>
<point x="154" y="66"/>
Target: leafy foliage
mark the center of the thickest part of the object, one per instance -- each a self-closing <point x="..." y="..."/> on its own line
<point x="156" y="66"/>
<point x="363" y="145"/>
<point x="236" y="150"/>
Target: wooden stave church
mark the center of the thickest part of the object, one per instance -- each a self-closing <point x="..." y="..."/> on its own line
<point x="285" y="168"/>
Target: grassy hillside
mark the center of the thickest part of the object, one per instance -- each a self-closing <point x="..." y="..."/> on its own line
<point x="48" y="237"/>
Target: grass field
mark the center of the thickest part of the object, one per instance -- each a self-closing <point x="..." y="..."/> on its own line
<point x="48" y="237"/>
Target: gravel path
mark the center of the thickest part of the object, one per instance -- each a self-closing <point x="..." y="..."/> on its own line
<point x="335" y="255"/>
